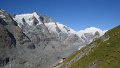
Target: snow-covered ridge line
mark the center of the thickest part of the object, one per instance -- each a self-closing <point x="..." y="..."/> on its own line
<point x="93" y="30"/>
<point x="30" y="17"/>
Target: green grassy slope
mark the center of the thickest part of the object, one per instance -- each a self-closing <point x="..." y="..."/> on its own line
<point x="102" y="53"/>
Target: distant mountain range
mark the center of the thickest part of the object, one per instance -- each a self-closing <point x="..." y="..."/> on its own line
<point x="37" y="41"/>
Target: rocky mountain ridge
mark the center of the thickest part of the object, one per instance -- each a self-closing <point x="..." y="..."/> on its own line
<point x="36" y="41"/>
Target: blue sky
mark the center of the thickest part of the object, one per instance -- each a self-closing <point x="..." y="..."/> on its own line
<point x="77" y="14"/>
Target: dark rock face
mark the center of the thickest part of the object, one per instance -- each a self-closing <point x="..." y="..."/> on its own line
<point x="7" y="41"/>
<point x="57" y="28"/>
<point x="31" y="46"/>
<point x="4" y="61"/>
<point x="12" y="41"/>
<point x="6" y="38"/>
<point x="97" y="34"/>
<point x="7" y="18"/>
<point x="3" y="22"/>
<point x="35" y="21"/>
<point x="45" y="19"/>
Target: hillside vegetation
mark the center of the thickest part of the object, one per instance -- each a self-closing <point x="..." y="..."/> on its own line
<point x="103" y="52"/>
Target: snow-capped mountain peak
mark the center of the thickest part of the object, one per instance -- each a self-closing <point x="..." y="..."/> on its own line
<point x="93" y="30"/>
<point x="29" y="18"/>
